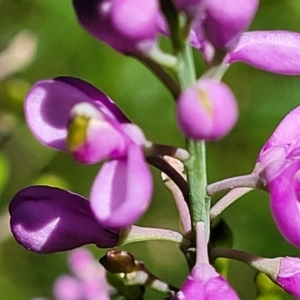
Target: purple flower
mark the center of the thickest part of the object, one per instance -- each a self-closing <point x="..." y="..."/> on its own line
<point x="288" y="276"/>
<point x="68" y="113"/>
<point x="226" y="20"/>
<point x="128" y="26"/>
<point x="279" y="165"/>
<point x="207" y="110"/>
<point x="273" y="51"/>
<point x="86" y="282"/>
<point x="191" y="7"/>
<point x="206" y="284"/>
<point x="47" y="219"/>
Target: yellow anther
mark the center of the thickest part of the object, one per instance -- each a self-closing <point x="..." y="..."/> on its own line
<point x="77" y="132"/>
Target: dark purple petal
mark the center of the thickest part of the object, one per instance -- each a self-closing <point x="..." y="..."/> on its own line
<point x="122" y="190"/>
<point x="46" y="219"/>
<point x="105" y="20"/>
<point x="49" y="102"/>
<point x="272" y="51"/>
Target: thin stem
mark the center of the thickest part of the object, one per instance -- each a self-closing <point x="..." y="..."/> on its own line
<point x="196" y="174"/>
<point x="201" y="244"/>
<point x="251" y="181"/>
<point x="227" y="200"/>
<point x="160" y="72"/>
<point x="165" y="167"/>
<point x="269" y="266"/>
<point x="134" y="234"/>
<point x="152" y="149"/>
<point x="182" y="207"/>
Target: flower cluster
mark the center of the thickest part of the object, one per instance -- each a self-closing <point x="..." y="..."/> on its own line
<point x="69" y="114"/>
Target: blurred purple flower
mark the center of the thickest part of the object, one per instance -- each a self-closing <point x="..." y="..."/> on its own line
<point x="68" y="113"/>
<point x="47" y="219"/>
<point x="207" y="110"/>
<point x="128" y="26"/>
<point x="272" y="51"/>
<point x="278" y="164"/>
<point x="205" y="283"/>
<point x="225" y="21"/>
<point x="86" y="282"/>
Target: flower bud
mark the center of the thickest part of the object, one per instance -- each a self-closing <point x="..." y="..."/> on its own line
<point x="128" y="26"/>
<point x="226" y="20"/>
<point x="207" y="110"/>
<point x="46" y="220"/>
<point x="205" y="283"/>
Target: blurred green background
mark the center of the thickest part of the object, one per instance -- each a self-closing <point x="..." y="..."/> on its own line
<point x="65" y="49"/>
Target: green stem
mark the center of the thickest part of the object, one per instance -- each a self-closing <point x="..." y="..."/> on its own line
<point x="134" y="234"/>
<point x="196" y="165"/>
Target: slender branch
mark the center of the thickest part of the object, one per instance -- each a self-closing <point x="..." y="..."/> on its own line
<point x="133" y="234"/>
<point x="163" y="166"/>
<point x="201" y="243"/>
<point x="160" y="72"/>
<point x="227" y="200"/>
<point x="177" y="195"/>
<point x="152" y="149"/>
<point x="270" y="266"/>
<point x="250" y="180"/>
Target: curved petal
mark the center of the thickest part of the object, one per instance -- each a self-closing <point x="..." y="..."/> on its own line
<point x="272" y="51"/>
<point x="286" y="132"/>
<point x="49" y="102"/>
<point x="285" y="205"/>
<point x="122" y="190"/>
<point x="46" y="219"/>
<point x="289" y="275"/>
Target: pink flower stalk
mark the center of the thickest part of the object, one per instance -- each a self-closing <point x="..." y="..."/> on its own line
<point x="279" y="165"/>
<point x="69" y="114"/>
<point x="204" y="283"/>
<point x="128" y="26"/>
<point x="272" y="51"/>
<point x="86" y="282"/>
<point x="46" y="220"/>
<point x="225" y="21"/>
<point x="207" y="110"/>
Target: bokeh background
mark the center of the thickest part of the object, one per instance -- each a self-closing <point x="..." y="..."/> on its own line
<point x="63" y="48"/>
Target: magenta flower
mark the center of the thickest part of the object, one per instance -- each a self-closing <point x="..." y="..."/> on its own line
<point x="225" y="21"/>
<point x="288" y="276"/>
<point x="68" y="113"/>
<point x="128" y="26"/>
<point x="279" y="165"/>
<point x="46" y="220"/>
<point x="206" y="284"/>
<point x="207" y="110"/>
<point x="86" y="282"/>
<point x="273" y="51"/>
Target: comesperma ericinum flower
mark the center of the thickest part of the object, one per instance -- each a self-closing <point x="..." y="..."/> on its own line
<point x="47" y="219"/>
<point x="273" y="51"/>
<point x="87" y="280"/>
<point x="69" y="114"/>
<point x="128" y="26"/>
<point x="225" y="21"/>
<point x="278" y="164"/>
<point x="206" y="284"/>
<point x="207" y="110"/>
